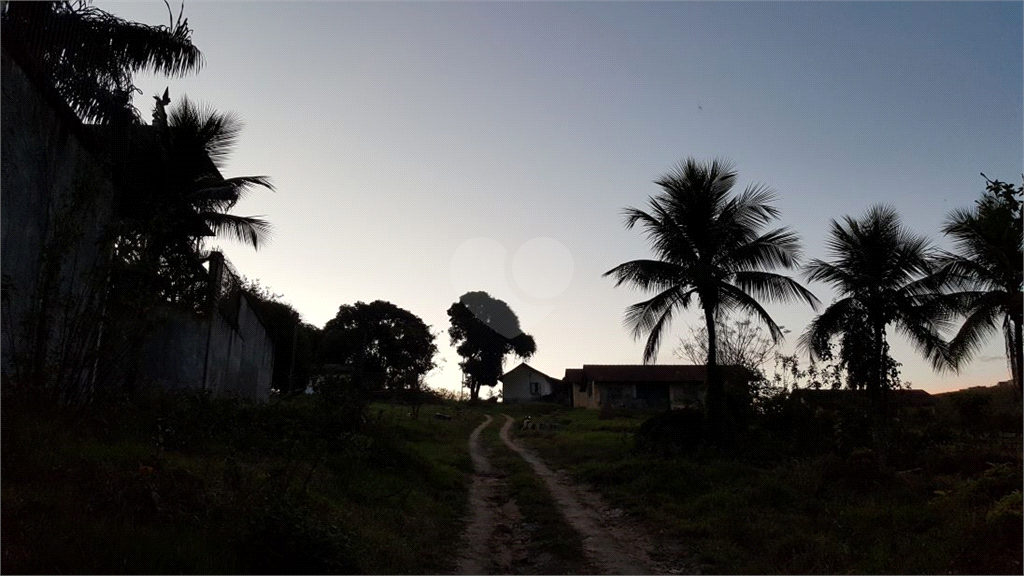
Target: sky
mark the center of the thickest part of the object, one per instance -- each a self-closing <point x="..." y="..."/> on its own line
<point x="423" y="150"/>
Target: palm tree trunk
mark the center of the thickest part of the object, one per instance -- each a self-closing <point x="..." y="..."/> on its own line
<point x="1017" y="356"/>
<point x="715" y="399"/>
<point x="879" y="391"/>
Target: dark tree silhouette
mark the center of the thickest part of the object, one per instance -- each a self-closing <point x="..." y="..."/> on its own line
<point x="293" y="339"/>
<point x="485" y="330"/>
<point x="985" y="273"/>
<point x="709" y="243"/>
<point x="173" y="195"/>
<point x="91" y="55"/>
<point x="883" y="274"/>
<point x="391" y="347"/>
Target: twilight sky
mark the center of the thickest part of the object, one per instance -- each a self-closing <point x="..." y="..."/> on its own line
<point x="423" y="150"/>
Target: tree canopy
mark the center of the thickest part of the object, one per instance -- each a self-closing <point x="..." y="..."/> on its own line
<point x="92" y="55"/>
<point x="884" y="275"/>
<point x="484" y="330"/>
<point x="391" y="346"/>
<point x="985" y="271"/>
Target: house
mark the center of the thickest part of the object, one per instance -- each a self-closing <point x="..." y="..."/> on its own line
<point x="524" y="383"/>
<point x="649" y="386"/>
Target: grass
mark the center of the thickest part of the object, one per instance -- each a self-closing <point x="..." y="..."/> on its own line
<point x="950" y="505"/>
<point x="191" y="484"/>
<point x="186" y="484"/>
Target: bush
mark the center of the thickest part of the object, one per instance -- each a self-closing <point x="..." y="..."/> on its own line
<point x="672" y="432"/>
<point x="291" y="539"/>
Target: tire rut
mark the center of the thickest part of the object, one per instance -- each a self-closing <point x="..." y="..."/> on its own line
<point x="610" y="543"/>
<point x="475" y="554"/>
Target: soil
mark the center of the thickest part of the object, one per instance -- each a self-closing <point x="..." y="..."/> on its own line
<point x="497" y="542"/>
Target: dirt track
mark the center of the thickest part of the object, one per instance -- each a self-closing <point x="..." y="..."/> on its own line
<point x="613" y="544"/>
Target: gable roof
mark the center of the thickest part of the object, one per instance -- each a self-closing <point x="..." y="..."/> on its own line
<point x="649" y="373"/>
<point x="524" y="366"/>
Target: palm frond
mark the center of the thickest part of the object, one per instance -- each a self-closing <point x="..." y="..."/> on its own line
<point x="734" y="297"/>
<point x="832" y="322"/>
<point x="779" y="248"/>
<point x="986" y="314"/>
<point x="252" y="230"/>
<point x="224" y="193"/>
<point x="774" y="287"/>
<point x="640" y="318"/>
<point x="648" y="274"/>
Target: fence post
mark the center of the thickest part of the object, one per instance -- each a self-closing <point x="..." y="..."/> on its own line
<point x="216" y="279"/>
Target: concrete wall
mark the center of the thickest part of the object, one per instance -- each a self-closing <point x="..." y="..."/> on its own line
<point x="56" y="205"/>
<point x="186" y="350"/>
<point x="241" y="359"/>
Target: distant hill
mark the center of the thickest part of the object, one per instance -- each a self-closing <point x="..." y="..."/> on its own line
<point x="998" y="390"/>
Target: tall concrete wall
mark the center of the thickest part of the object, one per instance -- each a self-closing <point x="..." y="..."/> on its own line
<point x="55" y="206"/>
<point x="185" y="350"/>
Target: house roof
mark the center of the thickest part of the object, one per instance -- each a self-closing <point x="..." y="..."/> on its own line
<point x="573" y="375"/>
<point x="525" y="366"/>
<point x="647" y="372"/>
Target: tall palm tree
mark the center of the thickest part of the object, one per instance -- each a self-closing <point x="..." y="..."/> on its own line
<point x="199" y="140"/>
<point x="709" y="244"/>
<point x="92" y="55"/>
<point x="985" y="273"/>
<point x="883" y="275"/>
<point x="174" y="196"/>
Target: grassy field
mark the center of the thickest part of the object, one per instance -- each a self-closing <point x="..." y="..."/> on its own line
<point x="193" y="485"/>
<point x="190" y="484"/>
<point x="947" y="503"/>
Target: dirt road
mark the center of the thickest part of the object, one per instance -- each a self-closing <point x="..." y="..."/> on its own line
<point x="494" y="542"/>
<point x="611" y="543"/>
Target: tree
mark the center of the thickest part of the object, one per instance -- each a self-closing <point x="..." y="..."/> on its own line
<point x="740" y="343"/>
<point x="485" y="330"/>
<point x="387" y="347"/>
<point x="173" y="195"/>
<point x="91" y="55"/>
<point x="884" y="276"/>
<point x="984" y="274"/>
<point x="293" y="339"/>
<point x="709" y="244"/>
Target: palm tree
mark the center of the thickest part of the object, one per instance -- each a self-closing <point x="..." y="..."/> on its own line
<point x="709" y="243"/>
<point x="199" y="140"/>
<point x="985" y="273"/>
<point x="174" y="196"/>
<point x="883" y="275"/>
<point x="91" y="55"/>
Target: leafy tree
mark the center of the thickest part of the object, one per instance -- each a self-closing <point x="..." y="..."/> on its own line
<point x="884" y="277"/>
<point x="386" y="346"/>
<point x="485" y="330"/>
<point x="985" y="273"/>
<point x="709" y="243"/>
<point x="292" y="338"/>
<point x="91" y="55"/>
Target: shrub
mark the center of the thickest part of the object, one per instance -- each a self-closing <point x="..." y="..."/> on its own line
<point x="672" y="432"/>
<point x="293" y="540"/>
